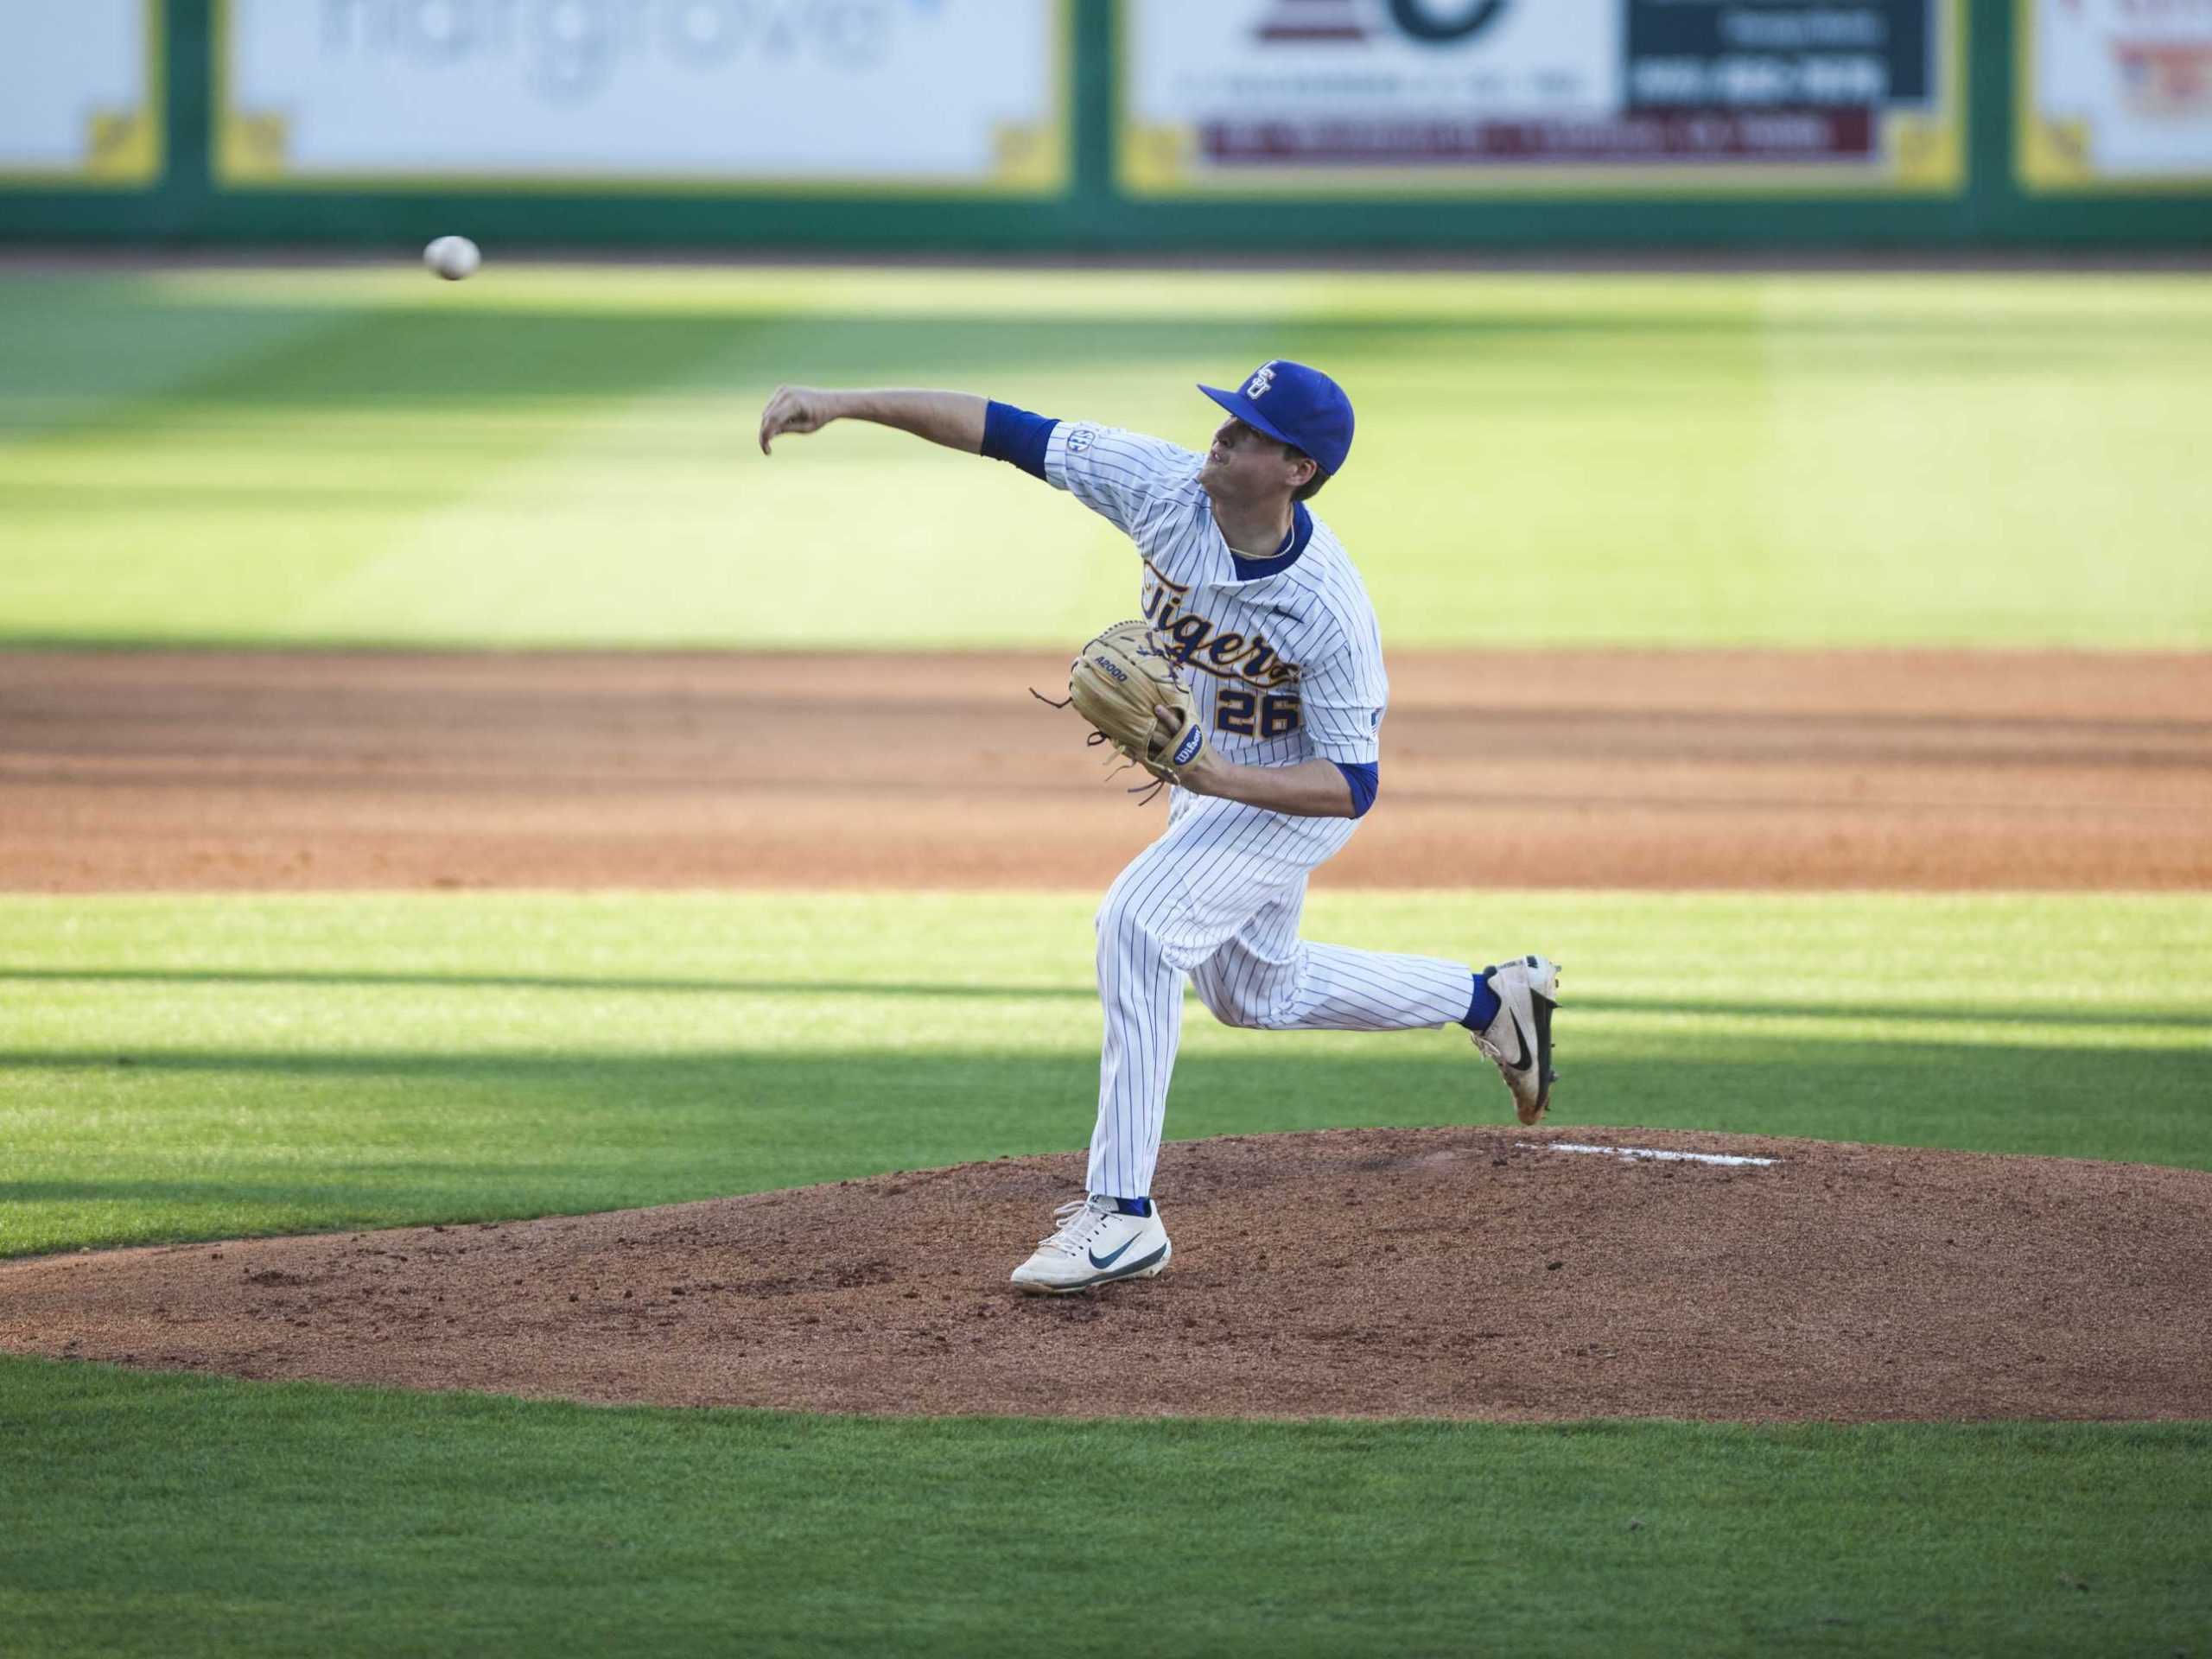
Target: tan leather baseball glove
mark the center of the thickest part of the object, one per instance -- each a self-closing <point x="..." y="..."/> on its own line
<point x="1117" y="680"/>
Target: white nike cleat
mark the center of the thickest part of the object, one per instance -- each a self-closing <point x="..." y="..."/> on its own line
<point x="1096" y="1244"/>
<point x="1520" y="1039"/>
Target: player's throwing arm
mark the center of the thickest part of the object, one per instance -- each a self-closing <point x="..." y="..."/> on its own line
<point x="954" y="419"/>
<point x="962" y="421"/>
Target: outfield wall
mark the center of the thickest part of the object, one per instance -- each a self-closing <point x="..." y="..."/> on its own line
<point x="1268" y="126"/>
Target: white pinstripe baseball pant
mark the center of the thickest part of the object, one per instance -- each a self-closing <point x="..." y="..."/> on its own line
<point x="1218" y="897"/>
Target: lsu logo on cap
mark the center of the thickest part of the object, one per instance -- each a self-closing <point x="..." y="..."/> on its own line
<point x="1263" y="378"/>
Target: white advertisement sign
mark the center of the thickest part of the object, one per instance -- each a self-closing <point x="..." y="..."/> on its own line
<point x="925" y="94"/>
<point x="2117" y="93"/>
<point x="1474" y="96"/>
<point x="1322" y="80"/>
<point x="81" y="93"/>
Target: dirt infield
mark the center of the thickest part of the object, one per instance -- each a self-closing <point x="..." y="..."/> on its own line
<point x="1467" y="1273"/>
<point x="1904" y="769"/>
<point x="1454" y="1273"/>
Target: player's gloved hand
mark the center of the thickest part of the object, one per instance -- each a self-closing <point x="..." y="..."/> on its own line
<point x="1128" y="685"/>
<point x="797" y="410"/>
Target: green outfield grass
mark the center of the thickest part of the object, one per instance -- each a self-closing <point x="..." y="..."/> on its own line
<point x="201" y="1066"/>
<point x="191" y="1516"/>
<point x="565" y="456"/>
<point x="176" y="1067"/>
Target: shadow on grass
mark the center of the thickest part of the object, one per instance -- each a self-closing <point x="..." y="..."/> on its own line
<point x="703" y="987"/>
<point x="890" y="1109"/>
<point x="1958" y="1013"/>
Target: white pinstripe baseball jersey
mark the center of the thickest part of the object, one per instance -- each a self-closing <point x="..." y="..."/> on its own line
<point x="1287" y="664"/>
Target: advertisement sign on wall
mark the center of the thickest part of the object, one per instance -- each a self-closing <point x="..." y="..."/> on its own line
<point x="1477" y="96"/>
<point x="2114" y="94"/>
<point x="959" y="96"/>
<point x="80" y="94"/>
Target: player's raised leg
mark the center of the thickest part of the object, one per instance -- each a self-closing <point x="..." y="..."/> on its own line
<point x="1267" y="978"/>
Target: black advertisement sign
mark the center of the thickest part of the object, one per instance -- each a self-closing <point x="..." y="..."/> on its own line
<point x="1753" y="54"/>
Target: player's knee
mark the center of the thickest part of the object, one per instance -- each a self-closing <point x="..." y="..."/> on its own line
<point x="1210" y="992"/>
<point x="1231" y="1013"/>
<point x="1222" y="1002"/>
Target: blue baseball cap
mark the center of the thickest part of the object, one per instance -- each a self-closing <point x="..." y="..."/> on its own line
<point x="1295" y="405"/>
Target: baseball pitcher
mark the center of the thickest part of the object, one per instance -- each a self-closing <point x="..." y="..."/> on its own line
<point x="1260" y="609"/>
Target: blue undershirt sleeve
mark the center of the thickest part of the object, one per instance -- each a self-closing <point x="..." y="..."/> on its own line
<point x="1016" y="436"/>
<point x="1365" y="780"/>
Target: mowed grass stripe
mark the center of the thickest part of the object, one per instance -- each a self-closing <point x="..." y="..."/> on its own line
<point x="204" y="1066"/>
<point x="565" y="456"/>
<point x="191" y="1516"/>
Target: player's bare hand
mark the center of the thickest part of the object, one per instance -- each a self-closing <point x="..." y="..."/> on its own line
<point x="797" y="409"/>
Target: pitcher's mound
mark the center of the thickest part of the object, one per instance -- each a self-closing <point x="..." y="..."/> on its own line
<point x="1450" y="1273"/>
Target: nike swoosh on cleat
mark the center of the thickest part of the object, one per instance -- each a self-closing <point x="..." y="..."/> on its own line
<point x="1522" y="1038"/>
<point x="1097" y="1261"/>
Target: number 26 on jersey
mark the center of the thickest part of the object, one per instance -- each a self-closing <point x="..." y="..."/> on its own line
<point x="1251" y="713"/>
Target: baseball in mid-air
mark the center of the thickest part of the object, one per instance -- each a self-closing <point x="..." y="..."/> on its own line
<point x="453" y="257"/>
